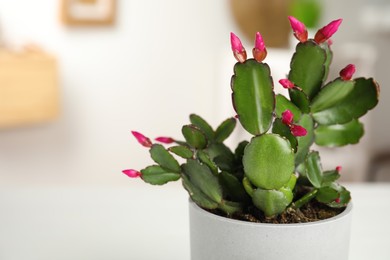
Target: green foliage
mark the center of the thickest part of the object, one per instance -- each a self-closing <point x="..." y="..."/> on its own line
<point x="161" y="156"/>
<point x="268" y="161"/>
<point x="269" y="170"/>
<point x="339" y="135"/>
<point x="348" y="106"/>
<point x="307" y="69"/>
<point x="156" y="175"/>
<point x="253" y="96"/>
<point x="283" y="104"/>
<point x="194" y="136"/>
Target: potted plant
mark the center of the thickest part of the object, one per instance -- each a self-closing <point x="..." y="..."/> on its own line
<point x="274" y="179"/>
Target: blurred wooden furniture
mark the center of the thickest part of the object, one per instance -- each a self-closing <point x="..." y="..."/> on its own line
<point x="88" y="12"/>
<point x="377" y="162"/>
<point x="264" y="16"/>
<point x="29" y="90"/>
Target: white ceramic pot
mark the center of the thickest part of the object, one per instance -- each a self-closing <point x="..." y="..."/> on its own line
<point x="217" y="238"/>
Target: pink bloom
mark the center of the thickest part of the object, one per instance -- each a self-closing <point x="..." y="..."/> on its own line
<point x="347" y="72"/>
<point x="337" y="200"/>
<point x="132" y="173"/>
<point x="327" y="31"/>
<point x="287" y="117"/>
<point x="286" y="83"/>
<point x="338" y="168"/>
<point x="297" y="130"/>
<point x="237" y="48"/>
<point x="165" y="140"/>
<point x="259" y="52"/>
<point x="143" y="140"/>
<point x="300" y="31"/>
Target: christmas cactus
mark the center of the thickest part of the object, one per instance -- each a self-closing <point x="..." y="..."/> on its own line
<point x="276" y="170"/>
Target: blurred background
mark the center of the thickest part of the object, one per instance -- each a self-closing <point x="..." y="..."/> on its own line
<point x="75" y="80"/>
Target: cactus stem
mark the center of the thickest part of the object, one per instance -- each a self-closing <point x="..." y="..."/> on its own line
<point x="230" y="207"/>
<point x="305" y="199"/>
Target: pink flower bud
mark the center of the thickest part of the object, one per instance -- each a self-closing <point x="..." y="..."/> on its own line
<point x="347" y="72"/>
<point x="300" y="31"/>
<point x="298" y="130"/>
<point x="286" y="83"/>
<point x="327" y="31"/>
<point x="132" y="173"/>
<point x="143" y="140"/>
<point x="338" y="169"/>
<point x="237" y="48"/>
<point x="165" y="140"/>
<point x="287" y="117"/>
<point x="337" y="200"/>
<point x="259" y="52"/>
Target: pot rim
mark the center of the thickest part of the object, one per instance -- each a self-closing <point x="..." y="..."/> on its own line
<point x="205" y="213"/>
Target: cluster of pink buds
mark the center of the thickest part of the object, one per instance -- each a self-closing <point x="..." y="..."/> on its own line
<point x="322" y="35"/>
<point x="296" y="130"/>
<point x="259" y="51"/>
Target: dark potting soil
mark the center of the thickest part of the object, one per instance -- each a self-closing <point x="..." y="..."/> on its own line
<point x="312" y="211"/>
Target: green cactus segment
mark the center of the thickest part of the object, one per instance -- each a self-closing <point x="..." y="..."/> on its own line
<point x="253" y="96"/>
<point x="230" y="207"/>
<point x="344" y="197"/>
<point x="248" y="186"/>
<point x="201" y="177"/>
<point x="272" y="202"/>
<point x="157" y="175"/>
<point x="304" y="142"/>
<point x="332" y="94"/>
<point x="300" y="99"/>
<point x="194" y="136"/>
<point x="329" y="58"/>
<point x="327" y="194"/>
<point x="308" y="67"/>
<point x="204" y="158"/>
<point x="292" y="182"/>
<point x="283" y="104"/>
<point x="283" y="130"/>
<point x="240" y="149"/>
<point x="225" y="129"/>
<point x="339" y="135"/>
<point x="330" y="176"/>
<point x="222" y="156"/>
<point x="182" y="151"/>
<point x="162" y="157"/>
<point x="314" y="169"/>
<point x="232" y="187"/>
<point x="268" y="161"/>
<point x="197" y="195"/>
<point x="202" y="125"/>
<point x="363" y="97"/>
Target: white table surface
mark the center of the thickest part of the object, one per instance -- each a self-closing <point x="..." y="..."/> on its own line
<point x="142" y="222"/>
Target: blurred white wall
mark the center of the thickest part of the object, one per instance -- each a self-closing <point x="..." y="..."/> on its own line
<point x="147" y="73"/>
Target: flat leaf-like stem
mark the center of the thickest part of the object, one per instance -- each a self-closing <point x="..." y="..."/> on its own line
<point x="304" y="142"/>
<point x="161" y="156"/>
<point x="308" y="67"/>
<point x="268" y="161"/>
<point x="253" y="96"/>
<point x="339" y="135"/>
<point x="194" y="136"/>
<point x="156" y="175"/>
<point x="225" y="129"/>
<point x="283" y="104"/>
<point x="201" y="177"/>
<point x="314" y="169"/>
<point x="363" y="97"/>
